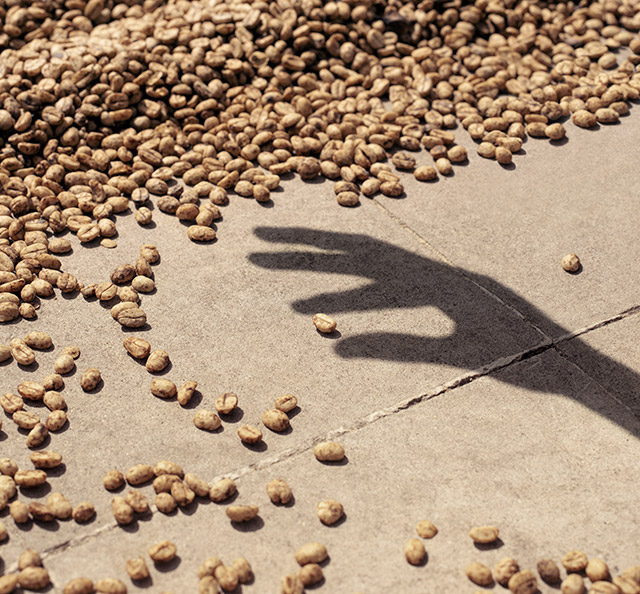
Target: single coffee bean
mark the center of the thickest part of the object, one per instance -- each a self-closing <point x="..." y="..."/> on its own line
<point x="329" y="451"/>
<point x="575" y="561"/>
<point x="90" y="379"/>
<point x="207" y="420"/>
<point x="329" y="511"/>
<point x="426" y="529"/>
<point x="479" y="574"/>
<point x="226" y="403"/>
<point x="242" y="513"/>
<point x="324" y="323"/>
<point x="222" y="490"/>
<point x="312" y="552"/>
<point x="279" y="491"/>
<point x="249" y="434"/>
<point x="83" y="512"/>
<point x="138" y="348"/>
<point x="137" y="569"/>
<point x="570" y="263"/>
<point x="415" y="552"/>
<point x="157" y="361"/>
<point x="163" y="551"/>
<point x="484" y="534"/>
<point x="523" y="582"/>
<point x="163" y="388"/>
<point x="548" y="571"/>
<point x="275" y="420"/>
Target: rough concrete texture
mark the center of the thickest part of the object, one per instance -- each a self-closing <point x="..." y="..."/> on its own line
<point x="472" y="381"/>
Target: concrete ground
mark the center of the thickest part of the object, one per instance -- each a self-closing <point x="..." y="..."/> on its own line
<point x="471" y="381"/>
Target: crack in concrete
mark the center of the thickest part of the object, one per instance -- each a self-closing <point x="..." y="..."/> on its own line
<point x="462" y="380"/>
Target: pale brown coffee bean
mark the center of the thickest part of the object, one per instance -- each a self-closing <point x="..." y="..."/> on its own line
<point x="242" y="513"/>
<point x="128" y="295"/>
<point x="415" y="552"/>
<point x="143" y="284"/>
<point x="122" y="511"/>
<point x="165" y="503"/>
<point x="110" y="586"/>
<point x="182" y="494"/>
<point x="83" y="512"/>
<point x="8" y="485"/>
<point x="21" y="352"/>
<point x="548" y="571"/>
<point x="484" y="534"/>
<point x="90" y="379"/>
<point x="201" y="233"/>
<point x="8" y="467"/>
<point x="144" y="216"/>
<point x="249" y="434"/>
<point x="479" y="574"/>
<point x="348" y="199"/>
<point x="19" y="511"/>
<point x="243" y="570"/>
<point x="38" y="340"/>
<point x="226" y="403"/>
<point x="208" y="585"/>
<point x="603" y="587"/>
<point x="123" y="274"/>
<point x="157" y="361"/>
<point x="163" y="551"/>
<point x="570" y="263"/>
<point x="5" y="353"/>
<point x="59" y="506"/>
<point x="324" y="323"/>
<point x="64" y="364"/>
<point x="54" y="400"/>
<point x="329" y="511"/>
<point x="150" y="253"/>
<point x="575" y="561"/>
<point x="523" y="582"/>
<point x="597" y="570"/>
<point x="632" y="572"/>
<point x="132" y="318"/>
<point x="45" y="459"/>
<point x="138" y="348"/>
<point x="113" y="480"/>
<point x="37" y="436"/>
<point x="626" y="585"/>
<point x="56" y="420"/>
<point x="279" y="491"/>
<point x="163" y="483"/>
<point x="53" y="381"/>
<point x="139" y="474"/>
<point x="186" y="392"/>
<point x="79" y="585"/>
<point x="197" y="485"/>
<point x="311" y="574"/>
<point x="207" y="420"/>
<point x="328" y="451"/>
<point x="209" y="566"/>
<point x="292" y="584"/>
<point x="312" y="552"/>
<point x="426" y="529"/>
<point x="226" y="578"/>
<point x="168" y="467"/>
<point x="25" y="420"/>
<point x="137" y="569"/>
<point x="555" y="131"/>
<point x="34" y="578"/>
<point x="29" y="558"/>
<point x="425" y="173"/>
<point x="8" y="583"/>
<point x="584" y="118"/>
<point x="8" y="311"/>
<point x="31" y="390"/>
<point x="286" y="403"/>
<point x="503" y="155"/>
<point x="106" y="291"/>
<point x="275" y="420"/>
<point x="138" y="501"/>
<point x="11" y="403"/>
<point x="163" y="388"/>
<point x="222" y="490"/>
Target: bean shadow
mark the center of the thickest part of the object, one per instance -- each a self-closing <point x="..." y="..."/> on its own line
<point x="483" y="330"/>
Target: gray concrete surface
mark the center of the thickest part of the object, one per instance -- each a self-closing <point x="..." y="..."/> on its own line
<point x="472" y="380"/>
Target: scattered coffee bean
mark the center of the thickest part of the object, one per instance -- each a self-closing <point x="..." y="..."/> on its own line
<point x="122" y="511"/>
<point x="479" y="574"/>
<point x="312" y="552"/>
<point x="324" y="323"/>
<point x="571" y="263"/>
<point x="484" y="534"/>
<point x="207" y="420"/>
<point x="165" y="502"/>
<point x="226" y="403"/>
<point x="548" y="571"/>
<point x="597" y="570"/>
<point x="38" y="340"/>
<point x="415" y="552"/>
<point x="163" y="388"/>
<point x="197" y="485"/>
<point x="83" y="512"/>
<point x="137" y="347"/>
<point x="90" y="379"/>
<point x="275" y="420"/>
<point x="186" y="392"/>
<point x="249" y="434"/>
<point x="79" y="585"/>
<point x="279" y="491"/>
<point x="139" y="474"/>
<point x="573" y="584"/>
<point x="163" y="551"/>
<point x="242" y="513"/>
<point x="311" y="574"/>
<point x="45" y="459"/>
<point x="575" y="561"/>
<point x="329" y="511"/>
<point x="222" y="490"/>
<point x="329" y="451"/>
<point x="157" y="361"/>
<point x="426" y="529"/>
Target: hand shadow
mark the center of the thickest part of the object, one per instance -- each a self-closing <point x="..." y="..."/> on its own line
<point x="485" y="330"/>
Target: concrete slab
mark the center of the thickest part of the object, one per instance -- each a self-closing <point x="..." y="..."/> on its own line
<point x="510" y="227"/>
<point x="548" y="472"/>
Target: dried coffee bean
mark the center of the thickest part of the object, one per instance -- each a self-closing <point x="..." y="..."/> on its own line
<point x="59" y="506"/>
<point x="53" y="381"/>
<point x="207" y="420"/>
<point x="312" y="552"/>
<point x="242" y="513"/>
<point x="242" y="568"/>
<point x="37" y="435"/>
<point x="329" y="511"/>
<point x="226" y="578"/>
<point x="90" y="379"/>
<point x="186" y="392"/>
<point x="286" y="403"/>
<point x="143" y="284"/>
<point x="165" y="503"/>
<point x="163" y="551"/>
<point x="426" y="529"/>
<point x="226" y="403"/>
<point x="168" y="467"/>
<point x="3" y="533"/>
<point x="632" y="572"/>
<point x="201" y="233"/>
<point x="11" y="403"/>
<point x="275" y="420"/>
<point x="311" y="574"/>
<point x="83" y="512"/>
<point x="279" y="491"/>
<point x="479" y="574"/>
<point x="222" y="490"/>
<point x="64" y="364"/>
<point x="163" y="388"/>
<point x="603" y="587"/>
<point x="523" y="582"/>
<point x="45" y="459"/>
<point x="484" y="534"/>
<point x="249" y="434"/>
<point x="157" y="361"/>
<point x="54" y="400"/>
<point x="123" y="274"/>
<point x="626" y="585"/>
<point x="197" y="485"/>
<point x="106" y="291"/>
<point x="137" y="569"/>
<point x="292" y="584"/>
<point x="328" y="451"/>
<point x="31" y="390"/>
<point x="25" y="420"/>
<point x="139" y="474"/>
<point x="575" y="561"/>
<point x="21" y="352"/>
<point x="34" y="578"/>
<point x="597" y="570"/>
<point x="72" y="351"/>
<point x="56" y="420"/>
<point x="415" y="552"/>
<point x="132" y="318"/>
<point x="324" y="323"/>
<point x="548" y="571"/>
<point x="8" y="467"/>
<point x="110" y="586"/>
<point x="79" y="585"/>
<point x="182" y="494"/>
<point x="504" y="569"/>
<point x="38" y="340"/>
<point x="570" y="263"/>
<point x="113" y="480"/>
<point x="137" y="347"/>
<point x="122" y="511"/>
<point x="29" y="558"/>
<point x="5" y="353"/>
<point x="209" y="566"/>
<point x="138" y="501"/>
<point x="19" y="511"/>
